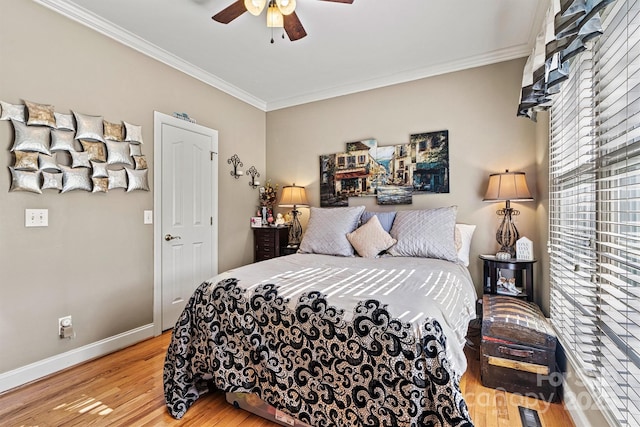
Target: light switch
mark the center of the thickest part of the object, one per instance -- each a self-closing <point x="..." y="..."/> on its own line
<point x="36" y="217"/>
<point x="148" y="217"/>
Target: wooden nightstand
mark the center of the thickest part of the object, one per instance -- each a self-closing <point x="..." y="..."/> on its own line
<point x="269" y="242"/>
<point x="522" y="272"/>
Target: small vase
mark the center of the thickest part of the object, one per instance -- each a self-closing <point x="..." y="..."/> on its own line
<point x="264" y="215"/>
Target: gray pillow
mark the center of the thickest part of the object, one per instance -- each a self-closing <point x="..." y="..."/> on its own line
<point x="428" y="233"/>
<point x="327" y="231"/>
<point x="385" y="218"/>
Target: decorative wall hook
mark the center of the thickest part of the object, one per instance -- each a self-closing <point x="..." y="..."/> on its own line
<point x="253" y="172"/>
<point x="235" y="161"/>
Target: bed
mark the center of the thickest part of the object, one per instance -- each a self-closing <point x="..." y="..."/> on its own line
<point x="331" y="340"/>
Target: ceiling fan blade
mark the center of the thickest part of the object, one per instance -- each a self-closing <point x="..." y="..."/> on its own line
<point x="230" y="13"/>
<point x="340" y="1"/>
<point x="293" y="27"/>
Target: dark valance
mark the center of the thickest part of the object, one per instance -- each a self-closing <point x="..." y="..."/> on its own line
<point x="568" y="28"/>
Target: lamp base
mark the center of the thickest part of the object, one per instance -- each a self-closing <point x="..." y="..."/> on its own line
<point x="507" y="234"/>
<point x="295" y="231"/>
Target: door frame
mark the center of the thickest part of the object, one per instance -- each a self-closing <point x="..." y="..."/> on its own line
<point x="158" y="120"/>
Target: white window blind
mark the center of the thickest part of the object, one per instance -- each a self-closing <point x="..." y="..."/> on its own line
<point x="595" y="214"/>
<point x="572" y="222"/>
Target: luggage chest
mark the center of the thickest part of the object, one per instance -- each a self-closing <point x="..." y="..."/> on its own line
<point x="518" y="348"/>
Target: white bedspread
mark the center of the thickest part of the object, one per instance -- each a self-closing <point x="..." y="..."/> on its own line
<point x="412" y="288"/>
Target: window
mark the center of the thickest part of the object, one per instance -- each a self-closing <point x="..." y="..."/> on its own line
<point x="351" y="161"/>
<point x="594" y="220"/>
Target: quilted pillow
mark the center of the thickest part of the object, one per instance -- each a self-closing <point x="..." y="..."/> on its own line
<point x="385" y="218"/>
<point x="25" y="181"/>
<point x="40" y="114"/>
<point x="427" y="233"/>
<point x="327" y="231"/>
<point x="30" y="138"/>
<point x="370" y="239"/>
<point x="62" y="140"/>
<point x="89" y="127"/>
<point x="12" y="111"/>
<point x="133" y="133"/>
<point x="26" y="161"/>
<point x="64" y="121"/>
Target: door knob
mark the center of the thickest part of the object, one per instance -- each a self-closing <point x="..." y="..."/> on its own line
<point x="169" y="237"/>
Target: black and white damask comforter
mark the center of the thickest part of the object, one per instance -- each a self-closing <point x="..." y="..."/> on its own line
<point x="332" y="341"/>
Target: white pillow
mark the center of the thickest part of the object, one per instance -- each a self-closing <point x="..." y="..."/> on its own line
<point x="370" y="238"/>
<point x="464" y="233"/>
<point x="327" y="230"/>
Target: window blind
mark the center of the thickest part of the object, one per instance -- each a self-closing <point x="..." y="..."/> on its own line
<point x="572" y="222"/>
<point x="595" y="214"/>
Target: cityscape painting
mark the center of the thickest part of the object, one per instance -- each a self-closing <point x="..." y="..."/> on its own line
<point x="392" y="174"/>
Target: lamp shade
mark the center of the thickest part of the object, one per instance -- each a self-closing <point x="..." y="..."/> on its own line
<point x="507" y="186"/>
<point x="255" y="7"/>
<point x="287" y="7"/>
<point x="293" y="195"/>
<point x="274" y="17"/>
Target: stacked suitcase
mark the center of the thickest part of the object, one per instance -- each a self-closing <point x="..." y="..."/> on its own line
<point x="518" y="349"/>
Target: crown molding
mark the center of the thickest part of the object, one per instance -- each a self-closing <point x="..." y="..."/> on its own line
<point x="72" y="11"/>
<point x="96" y="23"/>
<point x="508" y="54"/>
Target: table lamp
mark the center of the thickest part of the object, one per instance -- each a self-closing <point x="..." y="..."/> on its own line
<point x="294" y="196"/>
<point x="507" y="187"/>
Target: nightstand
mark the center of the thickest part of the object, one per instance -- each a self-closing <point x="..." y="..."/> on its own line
<point x="288" y="250"/>
<point x="269" y="242"/>
<point x="522" y="272"/>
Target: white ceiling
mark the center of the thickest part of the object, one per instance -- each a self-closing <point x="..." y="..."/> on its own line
<point x="349" y="48"/>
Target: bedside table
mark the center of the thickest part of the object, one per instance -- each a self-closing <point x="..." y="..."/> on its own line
<point x="288" y="250"/>
<point x="522" y="272"/>
<point x="269" y="242"/>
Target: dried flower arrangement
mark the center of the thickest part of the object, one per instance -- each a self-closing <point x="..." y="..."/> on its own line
<point x="268" y="194"/>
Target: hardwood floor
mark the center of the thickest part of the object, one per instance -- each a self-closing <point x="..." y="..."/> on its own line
<point x="125" y="389"/>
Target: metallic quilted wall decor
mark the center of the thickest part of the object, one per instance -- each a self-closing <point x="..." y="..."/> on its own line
<point x="97" y="155"/>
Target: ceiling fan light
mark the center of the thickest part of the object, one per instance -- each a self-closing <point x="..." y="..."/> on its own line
<point x="287" y="7"/>
<point x="255" y="7"/>
<point x="274" y="17"/>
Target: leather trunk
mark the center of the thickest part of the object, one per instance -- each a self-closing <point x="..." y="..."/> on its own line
<point x="518" y="349"/>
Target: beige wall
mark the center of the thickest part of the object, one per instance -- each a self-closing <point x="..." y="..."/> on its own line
<point x="477" y="106"/>
<point x="95" y="260"/>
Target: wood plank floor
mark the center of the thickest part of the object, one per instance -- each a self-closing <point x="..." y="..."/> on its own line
<point x="125" y="389"/>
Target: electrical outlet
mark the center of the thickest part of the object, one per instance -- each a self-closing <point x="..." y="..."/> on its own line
<point x="65" y="327"/>
<point x="36" y="217"/>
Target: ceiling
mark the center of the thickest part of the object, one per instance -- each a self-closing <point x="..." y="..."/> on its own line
<point x="349" y="47"/>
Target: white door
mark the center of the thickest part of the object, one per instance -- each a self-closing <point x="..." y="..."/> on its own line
<point x="186" y="227"/>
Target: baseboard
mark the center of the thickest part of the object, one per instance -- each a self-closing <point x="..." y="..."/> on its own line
<point x="585" y="408"/>
<point x="577" y="414"/>
<point x="50" y="365"/>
